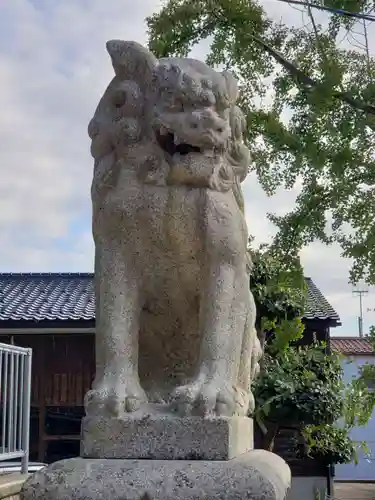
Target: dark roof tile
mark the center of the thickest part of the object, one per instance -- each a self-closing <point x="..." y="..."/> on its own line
<point x="317" y="305"/>
<point x="65" y="296"/>
<point x="70" y="296"/>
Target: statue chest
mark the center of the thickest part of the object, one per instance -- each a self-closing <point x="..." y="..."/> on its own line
<point x="169" y="216"/>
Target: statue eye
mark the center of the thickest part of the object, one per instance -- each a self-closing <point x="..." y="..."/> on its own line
<point x="119" y="99"/>
<point x="177" y="105"/>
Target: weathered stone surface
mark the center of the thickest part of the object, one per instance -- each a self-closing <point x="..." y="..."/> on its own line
<point x="258" y="475"/>
<point x="166" y="438"/>
<point x="175" y="316"/>
<point x="10" y="485"/>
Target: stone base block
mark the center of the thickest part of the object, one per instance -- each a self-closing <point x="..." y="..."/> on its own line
<point x="166" y="437"/>
<point x="257" y="475"/>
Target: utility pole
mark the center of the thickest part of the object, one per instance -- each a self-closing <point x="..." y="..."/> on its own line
<point x="360" y="289"/>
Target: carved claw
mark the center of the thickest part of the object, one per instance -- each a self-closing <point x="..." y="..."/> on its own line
<point x="209" y="397"/>
<point x="114" y="402"/>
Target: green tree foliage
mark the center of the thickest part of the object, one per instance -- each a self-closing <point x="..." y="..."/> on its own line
<point x="329" y="444"/>
<point x="310" y="108"/>
<point x="279" y="290"/>
<point x="332" y="443"/>
<point x="302" y="388"/>
<point x="299" y="387"/>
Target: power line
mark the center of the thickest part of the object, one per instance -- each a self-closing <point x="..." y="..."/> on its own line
<point x="342" y="12"/>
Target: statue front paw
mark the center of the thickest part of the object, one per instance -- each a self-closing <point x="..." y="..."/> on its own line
<point x="113" y="400"/>
<point x="209" y="397"/>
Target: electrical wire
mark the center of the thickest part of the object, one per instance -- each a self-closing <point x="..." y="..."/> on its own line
<point x="365" y="17"/>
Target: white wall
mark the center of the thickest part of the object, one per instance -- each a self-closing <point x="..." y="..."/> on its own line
<point x="307" y="488"/>
<point x="365" y="470"/>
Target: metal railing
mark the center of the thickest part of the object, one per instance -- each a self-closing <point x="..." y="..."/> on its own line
<point x="15" y="389"/>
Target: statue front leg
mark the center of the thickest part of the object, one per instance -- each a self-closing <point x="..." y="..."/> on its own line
<point x="223" y="315"/>
<point x="116" y="388"/>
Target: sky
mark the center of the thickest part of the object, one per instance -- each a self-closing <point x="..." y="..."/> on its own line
<point x="53" y="70"/>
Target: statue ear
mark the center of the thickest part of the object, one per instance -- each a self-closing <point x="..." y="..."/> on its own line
<point x="132" y="61"/>
<point x="232" y="87"/>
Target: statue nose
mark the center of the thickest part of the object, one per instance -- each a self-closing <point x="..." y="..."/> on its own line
<point x="208" y="115"/>
<point x="205" y="118"/>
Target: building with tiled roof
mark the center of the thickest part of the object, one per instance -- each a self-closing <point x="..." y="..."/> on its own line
<point x="357" y="353"/>
<point x="69" y="297"/>
<point x="47" y="297"/>
<point x="352" y="346"/>
<point x="54" y="314"/>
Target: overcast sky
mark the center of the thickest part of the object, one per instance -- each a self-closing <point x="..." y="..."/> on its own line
<point x="53" y="69"/>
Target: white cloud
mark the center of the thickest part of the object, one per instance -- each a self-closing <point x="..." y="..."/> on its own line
<point x="53" y="69"/>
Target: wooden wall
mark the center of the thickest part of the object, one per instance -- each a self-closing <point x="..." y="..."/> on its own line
<point x="63" y="367"/>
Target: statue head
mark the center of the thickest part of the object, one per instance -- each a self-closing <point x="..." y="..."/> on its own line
<point x="180" y="104"/>
<point x="191" y="107"/>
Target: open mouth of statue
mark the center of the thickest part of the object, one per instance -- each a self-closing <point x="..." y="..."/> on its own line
<point x="170" y="143"/>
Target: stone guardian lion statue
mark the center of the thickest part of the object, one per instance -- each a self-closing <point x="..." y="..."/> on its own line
<point x="174" y="312"/>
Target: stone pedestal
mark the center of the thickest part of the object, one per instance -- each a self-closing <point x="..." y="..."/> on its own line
<point x="256" y="475"/>
<point x="166" y="437"/>
<point x="164" y="457"/>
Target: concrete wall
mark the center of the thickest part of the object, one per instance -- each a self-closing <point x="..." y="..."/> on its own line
<point x="308" y="488"/>
<point x="365" y="470"/>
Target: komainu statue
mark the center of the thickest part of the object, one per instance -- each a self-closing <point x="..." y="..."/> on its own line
<point x="174" y="313"/>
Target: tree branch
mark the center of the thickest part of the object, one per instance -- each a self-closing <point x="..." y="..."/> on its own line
<point x="315" y="28"/>
<point x="298" y="75"/>
<point x="356" y="15"/>
<point x="309" y="83"/>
